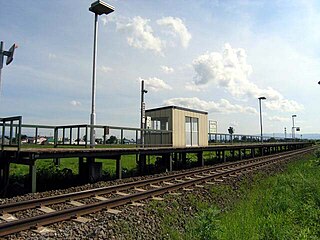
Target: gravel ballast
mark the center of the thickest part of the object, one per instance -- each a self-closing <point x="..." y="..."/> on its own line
<point x="142" y="222"/>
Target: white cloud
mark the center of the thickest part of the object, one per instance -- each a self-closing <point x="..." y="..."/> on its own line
<point x="234" y="124"/>
<point x="104" y="20"/>
<point x="278" y="119"/>
<point x="177" y="28"/>
<point x="105" y="69"/>
<point x="167" y="69"/>
<point x="230" y="70"/>
<point x="52" y="56"/>
<point x="191" y="86"/>
<point x="141" y="35"/>
<point x="75" y="103"/>
<point x="156" y="84"/>
<point x="223" y="106"/>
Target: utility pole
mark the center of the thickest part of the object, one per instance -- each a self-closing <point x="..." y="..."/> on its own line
<point x="8" y="54"/>
<point x="293" y="129"/>
<point x="143" y="113"/>
<point x="261" y="98"/>
<point x="285" y="133"/>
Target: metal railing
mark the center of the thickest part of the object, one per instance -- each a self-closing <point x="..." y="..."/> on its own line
<point x="13" y="139"/>
<point x="78" y="135"/>
<point x="151" y="137"/>
<point x="241" y="138"/>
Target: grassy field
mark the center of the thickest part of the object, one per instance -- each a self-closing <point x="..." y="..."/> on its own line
<point x="284" y="206"/>
<point x="128" y="162"/>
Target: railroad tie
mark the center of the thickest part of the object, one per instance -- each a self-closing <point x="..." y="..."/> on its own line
<point x="179" y="180"/>
<point x="168" y="183"/>
<point x="113" y="211"/>
<point x="175" y="194"/>
<point x="46" y="209"/>
<point x="122" y="193"/>
<point x="207" y="174"/>
<point x="136" y="204"/>
<point x="157" y="198"/>
<point x="80" y="219"/>
<point x="8" y="217"/>
<point x="139" y="189"/>
<point x="210" y="183"/>
<point x="75" y="203"/>
<point x="100" y="198"/>
<point x="198" y="176"/>
<point x="218" y="180"/>
<point x="189" y="178"/>
<point x="43" y="230"/>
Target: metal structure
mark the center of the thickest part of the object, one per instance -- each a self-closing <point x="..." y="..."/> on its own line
<point x="98" y="8"/>
<point x="131" y="192"/>
<point x="143" y="113"/>
<point x="261" y="98"/>
<point x="8" y="54"/>
<point x="293" y="128"/>
<point x="285" y="133"/>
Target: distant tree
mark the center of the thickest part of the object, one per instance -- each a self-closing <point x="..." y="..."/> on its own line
<point x="112" y="140"/>
<point x="24" y="137"/>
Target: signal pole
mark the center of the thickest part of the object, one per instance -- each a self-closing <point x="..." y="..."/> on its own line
<point x="8" y="54"/>
<point x="143" y="113"/>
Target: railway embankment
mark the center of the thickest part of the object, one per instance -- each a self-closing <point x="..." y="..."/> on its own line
<point x="196" y="212"/>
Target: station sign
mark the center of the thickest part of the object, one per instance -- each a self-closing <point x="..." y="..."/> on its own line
<point x="213" y="126"/>
<point x="148" y="123"/>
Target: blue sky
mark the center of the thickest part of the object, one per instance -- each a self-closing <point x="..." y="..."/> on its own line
<point x="217" y="56"/>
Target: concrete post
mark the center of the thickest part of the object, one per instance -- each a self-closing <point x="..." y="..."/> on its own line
<point x="142" y="163"/>
<point x="224" y="155"/>
<point x="170" y="162"/>
<point x="4" y="176"/>
<point x="200" y="158"/>
<point x="33" y="177"/>
<point x="118" y="168"/>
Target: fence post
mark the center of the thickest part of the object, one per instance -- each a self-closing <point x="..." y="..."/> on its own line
<point x="70" y="141"/>
<point x="36" y="137"/>
<point x="55" y="136"/>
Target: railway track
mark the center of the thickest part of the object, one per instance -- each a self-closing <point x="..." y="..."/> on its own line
<point x="78" y="204"/>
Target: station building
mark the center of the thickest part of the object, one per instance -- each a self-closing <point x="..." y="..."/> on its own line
<point x="188" y="127"/>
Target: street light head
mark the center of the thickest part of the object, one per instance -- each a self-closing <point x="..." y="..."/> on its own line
<point x="9" y="53"/>
<point x="100" y="7"/>
<point x="262" y="98"/>
<point x="294" y="115"/>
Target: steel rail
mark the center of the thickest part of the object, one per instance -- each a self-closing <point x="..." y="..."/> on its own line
<point x="34" y="203"/>
<point x="67" y="214"/>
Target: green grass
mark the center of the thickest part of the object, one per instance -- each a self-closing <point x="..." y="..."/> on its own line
<point x="128" y="162"/>
<point x="284" y="206"/>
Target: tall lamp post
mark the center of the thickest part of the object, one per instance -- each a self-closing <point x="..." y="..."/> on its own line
<point x="293" y="133"/>
<point x="261" y="98"/>
<point x="98" y="8"/>
<point x="143" y="112"/>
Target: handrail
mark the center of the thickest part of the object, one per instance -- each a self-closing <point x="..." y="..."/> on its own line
<point x="13" y="141"/>
<point x="153" y="137"/>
